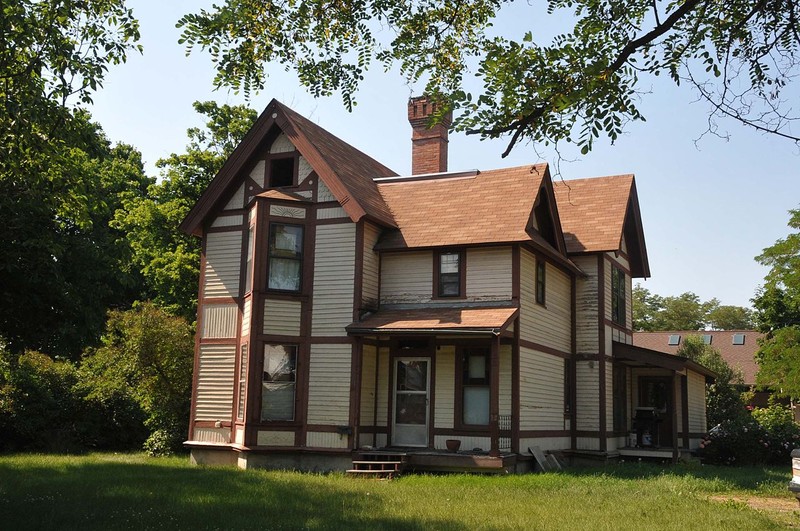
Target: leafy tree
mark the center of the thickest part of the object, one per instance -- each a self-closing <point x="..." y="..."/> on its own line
<point x="168" y="259"/>
<point x="723" y="397"/>
<point x="738" y="56"/>
<point x="730" y="318"/>
<point x="146" y="355"/>
<point x="777" y="313"/>
<point x="646" y="309"/>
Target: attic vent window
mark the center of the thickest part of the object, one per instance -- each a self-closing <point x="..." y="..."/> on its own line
<point x="674" y="339"/>
<point x="707" y="339"/>
<point x="738" y="339"/>
<point x="281" y="172"/>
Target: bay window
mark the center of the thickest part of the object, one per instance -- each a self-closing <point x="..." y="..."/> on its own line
<point x="278" y="383"/>
<point x="285" y="257"/>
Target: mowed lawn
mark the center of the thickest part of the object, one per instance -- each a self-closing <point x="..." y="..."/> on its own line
<point x="108" y="491"/>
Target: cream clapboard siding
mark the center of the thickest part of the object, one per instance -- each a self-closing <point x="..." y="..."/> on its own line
<point x="219" y="321"/>
<point x="369" y="283"/>
<point x="587" y="391"/>
<point x="247" y="316"/>
<point x="384" y="388"/>
<point x="541" y="390"/>
<point x="607" y="288"/>
<point x="406" y="277"/>
<point x="223" y="262"/>
<point x="489" y="274"/>
<point x="629" y="303"/>
<point x="548" y="325"/>
<point x="586" y="329"/>
<point x="697" y="402"/>
<point x="445" y="386"/>
<point x="329" y="385"/>
<point x="282" y="317"/>
<point x="546" y="443"/>
<point x="322" y="439"/>
<point x="505" y="380"/>
<point x="215" y="379"/>
<point x="369" y="365"/>
<point x="334" y="272"/>
<point x="331" y="213"/>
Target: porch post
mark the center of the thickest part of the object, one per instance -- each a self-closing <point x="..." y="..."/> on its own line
<point x="685" y="410"/>
<point x="494" y="398"/>
<point x="674" y="413"/>
<point x="356" y="362"/>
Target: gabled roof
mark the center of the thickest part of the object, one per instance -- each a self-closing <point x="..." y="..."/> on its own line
<point x="741" y="357"/>
<point x="597" y="213"/>
<point x="345" y="170"/>
<point x="464" y="209"/>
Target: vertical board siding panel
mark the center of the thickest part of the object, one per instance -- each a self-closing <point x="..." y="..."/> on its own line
<point x="505" y="379"/>
<point x="223" y="262"/>
<point x="587" y="306"/>
<point x="331" y="213"/>
<point x="406" y="277"/>
<point x="219" y="321"/>
<point x="384" y="387"/>
<point x="548" y="325"/>
<point x="697" y="403"/>
<point x="215" y="379"/>
<point x="445" y="387"/>
<point x="282" y="317"/>
<point x="368" y="367"/>
<point x="334" y="279"/>
<point x="247" y="315"/>
<point x="369" y="284"/>
<point x="489" y="274"/>
<point x="228" y="221"/>
<point x="322" y="439"/>
<point x="541" y="391"/>
<point x="587" y="408"/>
<point x="329" y="384"/>
<point x="212" y="435"/>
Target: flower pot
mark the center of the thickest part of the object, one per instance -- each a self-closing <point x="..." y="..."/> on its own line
<point x="453" y="445"/>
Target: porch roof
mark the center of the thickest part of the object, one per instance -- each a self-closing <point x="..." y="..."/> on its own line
<point x="436" y="320"/>
<point x="653" y="358"/>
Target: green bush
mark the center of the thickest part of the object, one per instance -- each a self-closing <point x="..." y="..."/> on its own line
<point x="781" y="432"/>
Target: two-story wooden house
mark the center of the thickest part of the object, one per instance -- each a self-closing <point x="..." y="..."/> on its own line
<point x="344" y="307"/>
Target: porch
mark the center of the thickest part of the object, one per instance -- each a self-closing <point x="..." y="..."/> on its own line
<point x="387" y="462"/>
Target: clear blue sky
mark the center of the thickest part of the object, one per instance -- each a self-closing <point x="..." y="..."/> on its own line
<point x="708" y="208"/>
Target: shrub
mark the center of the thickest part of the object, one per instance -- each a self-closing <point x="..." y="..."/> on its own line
<point x="781" y="433"/>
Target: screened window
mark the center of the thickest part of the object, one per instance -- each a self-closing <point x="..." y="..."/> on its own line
<point x="285" y="257"/>
<point x="475" y="383"/>
<point x="450" y="269"/>
<point x="540" y="281"/>
<point x="278" y="382"/>
<point x="618" y="296"/>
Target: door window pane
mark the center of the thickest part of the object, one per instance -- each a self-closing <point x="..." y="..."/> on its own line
<point x="412" y="376"/>
<point x="411" y="409"/>
<point x="278" y="383"/>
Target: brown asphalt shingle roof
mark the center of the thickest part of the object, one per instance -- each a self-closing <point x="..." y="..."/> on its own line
<point x="592" y="211"/>
<point x="737" y="356"/>
<point x="491" y="207"/>
<point x="437" y="319"/>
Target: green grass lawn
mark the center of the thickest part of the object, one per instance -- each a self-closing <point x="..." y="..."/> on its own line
<point x="107" y="491"/>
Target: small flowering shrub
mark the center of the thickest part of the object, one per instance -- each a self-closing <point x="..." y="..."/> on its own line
<point x="767" y="436"/>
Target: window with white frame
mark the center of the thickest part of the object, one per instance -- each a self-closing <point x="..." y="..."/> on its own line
<point x="285" y="257"/>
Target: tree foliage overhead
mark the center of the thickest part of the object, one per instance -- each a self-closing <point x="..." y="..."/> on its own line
<point x="652" y="313"/>
<point x="169" y="260"/>
<point x="738" y="55"/>
<point x="777" y="307"/>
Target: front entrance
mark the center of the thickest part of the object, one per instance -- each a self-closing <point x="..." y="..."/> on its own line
<point x="411" y="411"/>
<point x="656" y="392"/>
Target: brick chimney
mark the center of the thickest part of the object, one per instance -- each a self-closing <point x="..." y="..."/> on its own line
<point x="428" y="145"/>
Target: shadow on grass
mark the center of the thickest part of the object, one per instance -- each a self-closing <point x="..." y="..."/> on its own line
<point x="117" y="495"/>
<point x="744" y="478"/>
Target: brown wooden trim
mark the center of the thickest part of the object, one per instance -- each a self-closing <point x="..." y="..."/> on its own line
<point x="283" y="296"/>
<point x="587" y="433"/>
<point x="232" y="228"/>
<point x="199" y="325"/>
<point x="530" y="434"/>
<point x="685" y="410"/>
<point x="516" y="407"/>
<point x="676" y="386"/>
<point x="544" y="349"/>
<point x="616" y="264"/>
<point x="334" y="221"/>
<point x="321" y="340"/>
<point x="356" y="369"/>
<point x="494" y="399"/>
<point x="282" y="156"/>
<point x="216" y="300"/>
<point x="327" y="204"/>
<point x="516" y="267"/>
<point x="462" y="274"/>
<point x="374" y="430"/>
<point x="466" y="432"/>
<point x="593" y="357"/>
<point x="212" y="424"/>
<point x="375" y="401"/>
<point x="697" y="434"/>
<point x="295" y="449"/>
<point x="601" y="276"/>
<point x="619" y="327"/>
<point x="358" y="275"/>
<point x="572" y="365"/>
<point x="324" y="428"/>
<point x="432" y="397"/>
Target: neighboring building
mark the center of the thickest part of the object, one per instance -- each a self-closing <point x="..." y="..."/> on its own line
<point x="343" y="307"/>
<point x="737" y="347"/>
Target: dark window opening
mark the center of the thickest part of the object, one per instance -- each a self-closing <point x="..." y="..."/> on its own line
<point x="618" y="291"/>
<point x="281" y="172"/>
<point x="450" y="274"/>
<point x="620" y="396"/>
<point x="569" y="385"/>
<point x="541" y="284"/>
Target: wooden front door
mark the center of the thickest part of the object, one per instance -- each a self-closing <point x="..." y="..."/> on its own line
<point x="411" y="411"/>
<point x="656" y="392"/>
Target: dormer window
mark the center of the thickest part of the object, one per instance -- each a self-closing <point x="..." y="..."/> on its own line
<point x="282" y="171"/>
<point x="738" y="339"/>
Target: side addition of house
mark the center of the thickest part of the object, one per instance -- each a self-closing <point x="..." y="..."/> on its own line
<point x="344" y="309"/>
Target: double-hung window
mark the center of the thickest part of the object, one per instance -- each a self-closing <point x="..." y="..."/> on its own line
<point x="618" y="296"/>
<point x="475" y="385"/>
<point x="285" y="257"/>
<point x="450" y="273"/>
<point x="278" y="383"/>
<point x="540" y="281"/>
